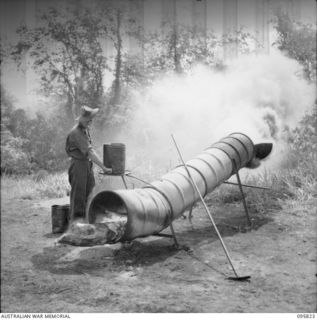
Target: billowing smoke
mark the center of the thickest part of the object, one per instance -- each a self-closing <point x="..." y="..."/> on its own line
<point x="257" y="95"/>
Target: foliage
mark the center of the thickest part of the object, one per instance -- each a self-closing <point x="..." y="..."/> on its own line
<point x="178" y="50"/>
<point x="7" y="105"/>
<point x="13" y="158"/>
<point x="296" y="180"/>
<point x="291" y="183"/>
<point x="298" y="40"/>
<point x="66" y="52"/>
<point x="303" y="139"/>
<point x="29" y="144"/>
<point x="242" y="39"/>
<point x="46" y="155"/>
<point x="299" y="175"/>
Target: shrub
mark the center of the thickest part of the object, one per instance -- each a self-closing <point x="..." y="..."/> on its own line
<point x="13" y="158"/>
<point x="295" y="182"/>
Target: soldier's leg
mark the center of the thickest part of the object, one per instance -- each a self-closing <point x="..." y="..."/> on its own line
<point x="90" y="180"/>
<point x="78" y="176"/>
<point x="90" y="184"/>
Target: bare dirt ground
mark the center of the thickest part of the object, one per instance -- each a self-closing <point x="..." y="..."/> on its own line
<point x="150" y="275"/>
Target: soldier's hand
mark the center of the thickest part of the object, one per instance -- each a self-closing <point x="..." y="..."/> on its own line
<point x="107" y="170"/>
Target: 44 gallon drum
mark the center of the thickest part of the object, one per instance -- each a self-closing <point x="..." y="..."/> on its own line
<point x="60" y="218"/>
<point x="114" y="157"/>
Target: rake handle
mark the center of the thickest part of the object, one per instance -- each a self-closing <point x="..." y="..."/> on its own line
<point x="206" y="208"/>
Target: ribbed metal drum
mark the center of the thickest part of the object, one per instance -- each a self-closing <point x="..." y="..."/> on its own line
<point x="152" y="208"/>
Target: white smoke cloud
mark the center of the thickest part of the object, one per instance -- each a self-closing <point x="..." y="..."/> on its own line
<point x="256" y="95"/>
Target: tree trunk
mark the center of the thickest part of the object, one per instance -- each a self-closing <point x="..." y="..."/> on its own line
<point x="230" y="23"/>
<point x="199" y="19"/>
<point x="262" y="26"/>
<point x="118" y="63"/>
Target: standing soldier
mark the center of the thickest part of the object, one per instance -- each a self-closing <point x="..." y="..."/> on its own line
<point x="80" y="173"/>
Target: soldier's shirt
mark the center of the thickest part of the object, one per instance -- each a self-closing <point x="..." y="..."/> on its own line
<point x="78" y="143"/>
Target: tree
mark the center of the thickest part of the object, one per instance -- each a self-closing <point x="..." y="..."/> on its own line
<point x="298" y="41"/>
<point x="117" y="25"/>
<point x="66" y="52"/>
<point x="7" y="107"/>
<point x="14" y="159"/>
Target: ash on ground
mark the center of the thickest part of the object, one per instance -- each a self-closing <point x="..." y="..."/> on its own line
<point x="108" y="228"/>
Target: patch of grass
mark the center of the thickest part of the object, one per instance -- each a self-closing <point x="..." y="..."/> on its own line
<point x="296" y="183"/>
<point x="224" y="194"/>
<point x="262" y="201"/>
<point x="31" y="187"/>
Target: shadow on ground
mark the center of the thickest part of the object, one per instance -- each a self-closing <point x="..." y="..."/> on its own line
<point x="65" y="259"/>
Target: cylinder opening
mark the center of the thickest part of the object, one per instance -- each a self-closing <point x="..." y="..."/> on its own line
<point x="108" y="212"/>
<point x="263" y="150"/>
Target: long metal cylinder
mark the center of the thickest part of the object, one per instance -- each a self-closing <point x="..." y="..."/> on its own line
<point x="152" y="208"/>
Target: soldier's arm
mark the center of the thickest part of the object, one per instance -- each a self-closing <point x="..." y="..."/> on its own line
<point x="94" y="158"/>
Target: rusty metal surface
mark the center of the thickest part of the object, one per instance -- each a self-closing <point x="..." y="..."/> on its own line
<point x="152" y="208"/>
